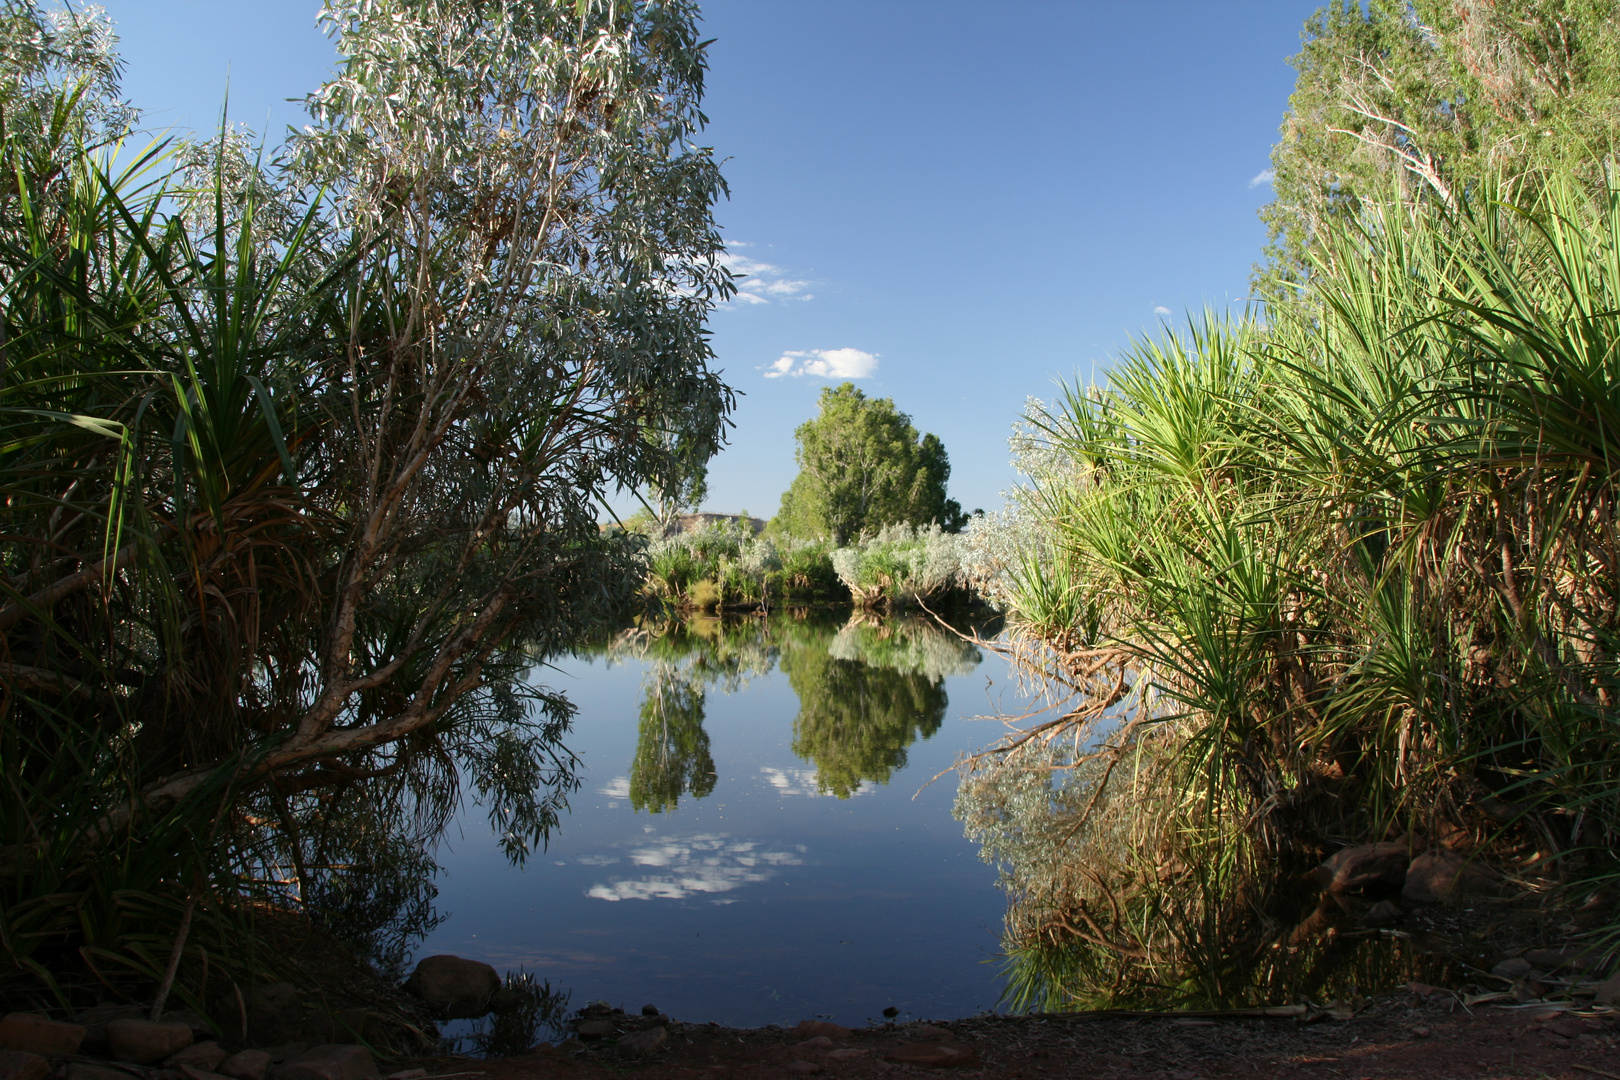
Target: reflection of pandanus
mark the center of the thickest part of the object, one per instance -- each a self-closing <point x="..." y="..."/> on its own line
<point x="1094" y="934"/>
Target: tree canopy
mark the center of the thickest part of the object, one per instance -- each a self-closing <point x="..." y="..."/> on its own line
<point x="862" y="466"/>
<point x="1426" y="99"/>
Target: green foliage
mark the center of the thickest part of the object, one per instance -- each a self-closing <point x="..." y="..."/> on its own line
<point x="1432" y="99"/>
<point x="901" y="566"/>
<point x="861" y="467"/>
<point x="726" y="565"/>
<point x="301" y="462"/>
<point x="1348" y="573"/>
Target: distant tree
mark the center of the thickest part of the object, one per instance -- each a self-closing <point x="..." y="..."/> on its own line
<point x="1427" y="98"/>
<point x="861" y="467"/>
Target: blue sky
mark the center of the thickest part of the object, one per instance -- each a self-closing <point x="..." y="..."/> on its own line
<point x="958" y="202"/>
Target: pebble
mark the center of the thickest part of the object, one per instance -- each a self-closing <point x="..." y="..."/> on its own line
<point x="804" y="1068"/>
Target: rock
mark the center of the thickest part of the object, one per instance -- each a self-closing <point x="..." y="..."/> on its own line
<point x="1445" y="875"/>
<point x="287" y="1051"/>
<point x="1608" y="991"/>
<point x="803" y="1068"/>
<point x="1375" y="866"/>
<point x="335" y="1061"/>
<point x="145" y="1041"/>
<point x="1383" y="913"/>
<point x="933" y="1055"/>
<point x="847" y="1054"/>
<point x="191" y="1072"/>
<point x="453" y="988"/>
<point x="570" y="1046"/>
<point x="202" y="1028"/>
<point x="809" y="1028"/>
<point x="642" y="1023"/>
<point x="38" y="1035"/>
<point x="248" y="1065"/>
<point x="413" y="1074"/>
<point x="820" y="1042"/>
<point x="275" y="1015"/>
<point x="206" y="1056"/>
<point x="929" y="1031"/>
<point x="1514" y="967"/>
<point x="95" y="1020"/>
<point x="23" y="1065"/>
<point x="1566" y="959"/>
<point x="595" y="1029"/>
<point x="84" y="1070"/>
<point x="649" y="1010"/>
<point x="642" y="1043"/>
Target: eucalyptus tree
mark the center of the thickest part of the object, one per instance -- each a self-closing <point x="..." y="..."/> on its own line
<point x="303" y="458"/>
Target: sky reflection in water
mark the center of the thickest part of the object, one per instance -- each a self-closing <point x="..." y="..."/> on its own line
<point x="754" y="841"/>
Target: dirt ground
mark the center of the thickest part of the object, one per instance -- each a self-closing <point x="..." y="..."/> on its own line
<point x="1407" y="1036"/>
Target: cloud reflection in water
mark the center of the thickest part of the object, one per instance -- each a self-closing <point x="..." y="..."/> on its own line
<point x="706" y="864"/>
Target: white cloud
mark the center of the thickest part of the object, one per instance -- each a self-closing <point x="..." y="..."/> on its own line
<point x="827" y="363"/>
<point x="1161" y="310"/>
<point x="761" y="283"/>
<point x="790" y="782"/>
<point x="705" y="864"/>
<point x="1264" y="176"/>
<point x="616" y="788"/>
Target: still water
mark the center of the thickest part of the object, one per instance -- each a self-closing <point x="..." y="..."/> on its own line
<point x="757" y="839"/>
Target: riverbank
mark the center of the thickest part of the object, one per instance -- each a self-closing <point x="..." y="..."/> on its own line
<point x="1415" y="1034"/>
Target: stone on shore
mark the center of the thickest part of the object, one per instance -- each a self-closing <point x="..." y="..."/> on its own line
<point x="22" y="1065"/>
<point x="336" y="1061"/>
<point x="146" y="1042"/>
<point x="933" y="1055"/>
<point x="454" y="988"/>
<point x="809" y="1029"/>
<point x="642" y="1043"/>
<point x="84" y="1070"/>
<point x="38" y="1035"/>
<point x="247" y="1065"/>
<point x="204" y="1055"/>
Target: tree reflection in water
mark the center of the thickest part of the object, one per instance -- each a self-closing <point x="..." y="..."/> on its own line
<point x="672" y="749"/>
<point x="867" y="693"/>
<point x="868" y="688"/>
